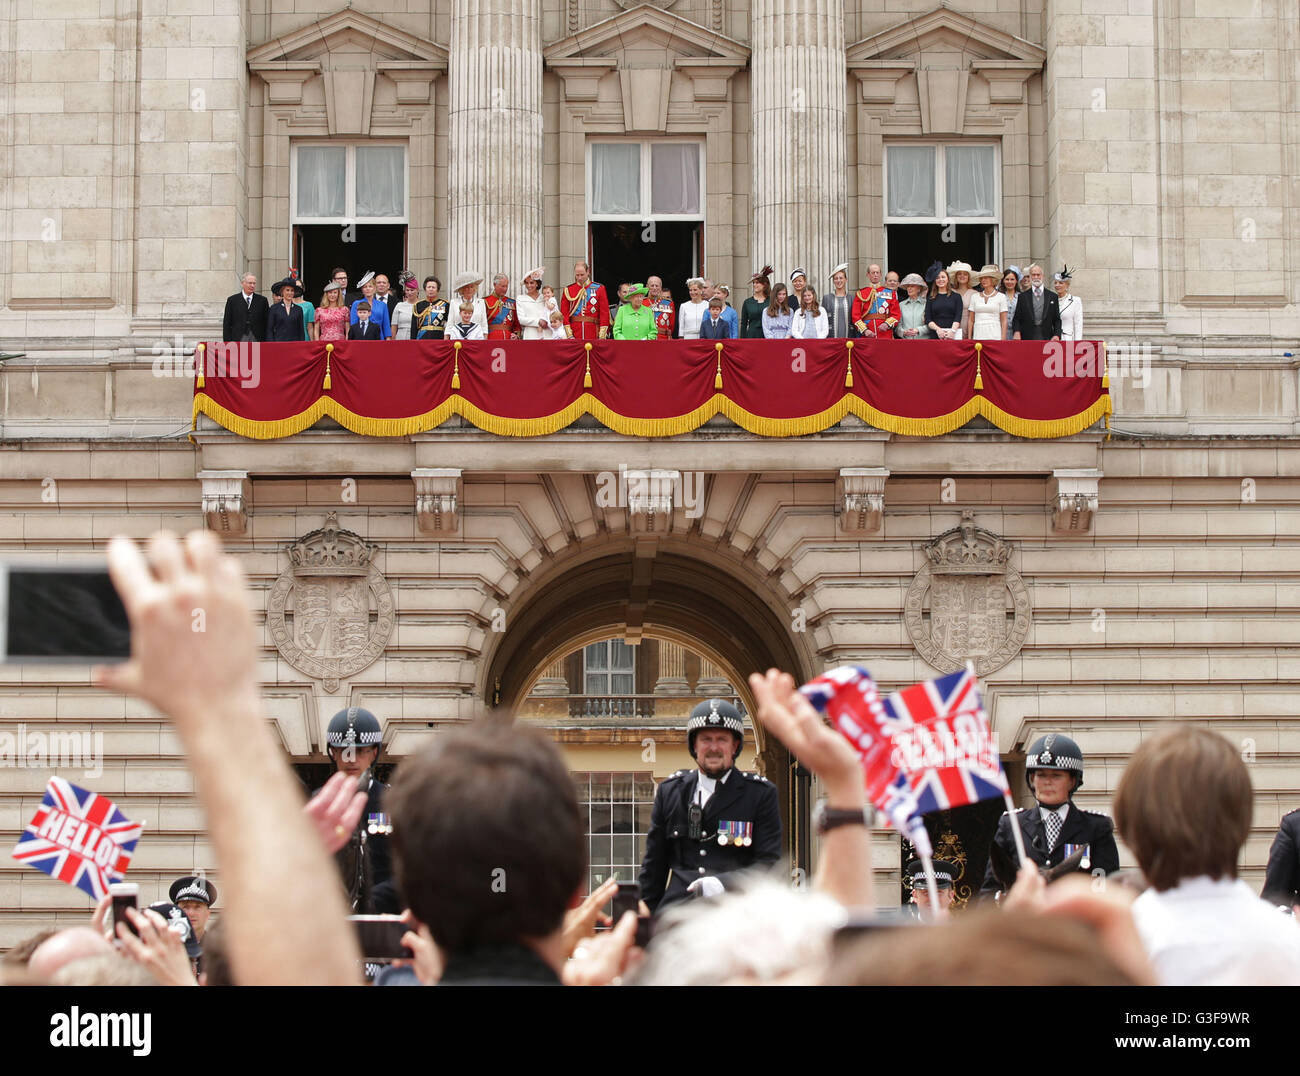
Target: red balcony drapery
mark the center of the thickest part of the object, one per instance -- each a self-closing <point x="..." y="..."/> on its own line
<point x="776" y="388"/>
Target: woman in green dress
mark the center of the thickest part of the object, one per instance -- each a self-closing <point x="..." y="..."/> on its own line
<point x="751" y="311"/>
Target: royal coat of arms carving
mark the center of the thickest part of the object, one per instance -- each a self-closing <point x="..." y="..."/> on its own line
<point x="967" y="603"/>
<point x="331" y="614"/>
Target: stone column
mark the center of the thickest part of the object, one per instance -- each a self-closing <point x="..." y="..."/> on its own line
<point x="712" y="681"/>
<point x="552" y="682"/>
<point x="494" y="139"/>
<point x="672" y="670"/>
<point x="797" y="172"/>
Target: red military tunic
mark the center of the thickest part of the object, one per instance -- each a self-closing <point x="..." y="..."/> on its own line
<point x="503" y="323"/>
<point x="878" y="307"/>
<point x="665" y="318"/>
<point x="585" y="310"/>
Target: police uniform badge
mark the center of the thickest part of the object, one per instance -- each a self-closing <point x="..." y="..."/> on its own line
<point x="1067" y="850"/>
<point x="379" y="825"/>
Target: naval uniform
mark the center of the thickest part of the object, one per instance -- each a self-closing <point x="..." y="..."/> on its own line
<point x="1080" y="827"/>
<point x="743" y="807"/>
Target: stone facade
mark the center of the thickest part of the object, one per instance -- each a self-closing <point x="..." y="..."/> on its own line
<point x="146" y="153"/>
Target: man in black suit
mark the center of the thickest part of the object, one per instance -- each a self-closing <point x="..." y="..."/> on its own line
<point x="384" y="295"/>
<point x="1038" y="311"/>
<point x="365" y="328"/>
<point x="245" y="317"/>
<point x="711" y="823"/>
<point x="1282" y="878"/>
<point x="1055" y="828"/>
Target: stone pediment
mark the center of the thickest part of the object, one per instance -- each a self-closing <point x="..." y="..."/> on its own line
<point x="930" y="58"/>
<point x="647" y="27"/>
<point x="347" y="36"/>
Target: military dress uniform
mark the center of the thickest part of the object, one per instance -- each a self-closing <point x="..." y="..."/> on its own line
<point x="585" y="310"/>
<point x="737" y="829"/>
<point x="502" y="323"/>
<point x="877" y="308"/>
<point x="665" y="318"/>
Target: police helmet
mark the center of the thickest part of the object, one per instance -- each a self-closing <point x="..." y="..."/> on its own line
<point x="1054" y="752"/>
<point x="355" y="728"/>
<point x="716" y="714"/>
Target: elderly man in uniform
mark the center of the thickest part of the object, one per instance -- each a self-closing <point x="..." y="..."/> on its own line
<point x="194" y="895"/>
<point x="1055" y="829"/>
<point x="662" y="307"/>
<point x="584" y="306"/>
<point x="875" y="308"/>
<point x="709" y="824"/>
<point x="500" y="308"/>
<point x="945" y="875"/>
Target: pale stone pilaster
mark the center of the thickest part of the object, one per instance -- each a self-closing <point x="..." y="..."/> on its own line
<point x="494" y="139"/>
<point x="552" y="682"/>
<point x="712" y="680"/>
<point x="797" y="160"/>
<point x="672" y="670"/>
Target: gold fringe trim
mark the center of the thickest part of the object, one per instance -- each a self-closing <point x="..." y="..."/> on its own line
<point x="1105" y="371"/>
<point x="670" y="426"/>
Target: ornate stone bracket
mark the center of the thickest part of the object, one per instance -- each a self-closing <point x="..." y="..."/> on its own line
<point x="225" y="501"/>
<point x="437" y="499"/>
<point x="862" y="498"/>
<point x="650" y="500"/>
<point x="1074" y="499"/>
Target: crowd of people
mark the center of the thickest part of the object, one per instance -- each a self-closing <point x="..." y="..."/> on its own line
<point x="948" y="303"/>
<point x="485" y="850"/>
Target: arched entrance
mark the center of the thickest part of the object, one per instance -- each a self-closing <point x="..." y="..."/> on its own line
<point x="663" y="591"/>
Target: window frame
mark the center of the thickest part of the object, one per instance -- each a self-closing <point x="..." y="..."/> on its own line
<point x="647" y="194"/>
<point x="941" y="187"/>
<point x="350" y="181"/>
<point x="609" y="671"/>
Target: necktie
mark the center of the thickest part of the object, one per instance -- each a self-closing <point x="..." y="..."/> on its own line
<point x="363" y="326"/>
<point x="1053" y="829"/>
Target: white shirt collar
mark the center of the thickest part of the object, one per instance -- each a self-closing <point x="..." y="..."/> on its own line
<point x="1060" y="811"/>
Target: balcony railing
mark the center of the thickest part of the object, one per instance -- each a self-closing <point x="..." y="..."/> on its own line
<point x="631" y="707"/>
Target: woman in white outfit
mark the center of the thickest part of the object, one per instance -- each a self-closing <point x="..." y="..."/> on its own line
<point x="986" y="317"/>
<point x="1071" y="307"/>
<point x="530" y="308"/>
<point x="810" y="321"/>
<point x="691" y="313"/>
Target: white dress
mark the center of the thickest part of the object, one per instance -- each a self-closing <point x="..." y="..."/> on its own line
<point x="986" y="314"/>
<point x="402" y="313"/>
<point x="530" y="311"/>
<point x="804" y="326"/>
<point x="690" y="316"/>
<point x="1071" y="318"/>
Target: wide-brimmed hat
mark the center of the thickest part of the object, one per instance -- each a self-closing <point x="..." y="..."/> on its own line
<point x="843" y="267"/>
<point x="539" y="273"/>
<point x="989" y="271"/>
<point x="366" y="278"/>
<point x="287" y="282"/>
<point x="958" y="267"/>
<point x="911" y="279"/>
<point x="464" y="280"/>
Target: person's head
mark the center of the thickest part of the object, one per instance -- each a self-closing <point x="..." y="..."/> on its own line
<point x="944" y="873"/>
<point x="105" y="969"/>
<point x="798" y="281"/>
<point x="466" y="313"/>
<point x="623" y="289"/>
<point x="194" y="895"/>
<point x="891" y="280"/>
<point x="354" y="738"/>
<point x="988" y="278"/>
<point x="432" y="285"/>
<point x="808" y="299"/>
<point x="332" y="296"/>
<point x="368" y="289"/>
<point x="708" y="289"/>
<point x="580" y="273"/>
<point x="655" y="287"/>
<point x="1053" y="769"/>
<point x="841" y="281"/>
<point x="695" y="288"/>
<point x="1062" y="281"/>
<point x="548" y="292"/>
<point x="340" y="276"/>
<point x="961" y="280"/>
<point x="873" y="274"/>
<point x="941" y="283"/>
<point x="556" y="320"/>
<point x="64" y="948"/>
<point x="489" y="843"/>
<point x="636" y="294"/>
<point x="761" y="288"/>
<point x="363" y="310"/>
<point x="197" y="912"/>
<point x="779" y="295"/>
<point x="381" y="284"/>
<point x="500" y="285"/>
<point x="249" y="283"/>
<point x="715" y="735"/>
<point x="1183" y="806"/>
<point x="216" y="960"/>
<point x="533" y="283"/>
<point x="1010" y="281"/>
<point x="1035" y="274"/>
<point x="410" y="290"/>
<point x="716" y="306"/>
<point x="21" y="954"/>
<point x="914" y="284"/>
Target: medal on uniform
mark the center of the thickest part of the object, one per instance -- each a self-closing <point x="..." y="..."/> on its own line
<point x="1069" y="849"/>
<point x="749" y="834"/>
<point x="724" y="829"/>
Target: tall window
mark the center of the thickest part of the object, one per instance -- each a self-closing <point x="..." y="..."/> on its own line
<point x="609" y="668"/>
<point x="617" y="808"/>
<point x="942" y="202"/>
<point x="365" y="184"/>
<point x="645" y="181"/>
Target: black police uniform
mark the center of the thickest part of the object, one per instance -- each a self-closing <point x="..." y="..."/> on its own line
<point x="746" y="801"/>
<point x="1282" y="876"/>
<point x="1080" y="827"/>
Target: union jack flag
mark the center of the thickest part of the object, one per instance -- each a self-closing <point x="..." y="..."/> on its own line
<point x="79" y="837"/>
<point x="943" y="743"/>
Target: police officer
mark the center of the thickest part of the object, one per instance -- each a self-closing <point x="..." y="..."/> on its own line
<point x="945" y="874"/>
<point x="194" y="896"/>
<point x="354" y="739"/>
<point x="1056" y="828"/>
<point x="710" y="823"/>
<point x="1282" y="877"/>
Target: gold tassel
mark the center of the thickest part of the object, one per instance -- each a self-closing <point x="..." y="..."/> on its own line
<point x="586" y="377"/>
<point x="329" y="384"/>
<point x="717" y="378"/>
<point x="848" y="374"/>
<point x="455" y="373"/>
<point x="199" y="382"/>
<point x="979" y="377"/>
<point x="1105" y="371"/>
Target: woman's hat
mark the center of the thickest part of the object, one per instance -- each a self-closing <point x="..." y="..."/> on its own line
<point x="407" y="279"/>
<point x="762" y="276"/>
<point x="958" y="267"/>
<point x="539" y="273"/>
<point x="1063" y="275"/>
<point x="287" y="282"/>
<point x="912" y="279"/>
<point x="798" y="272"/>
<point x="637" y="289"/>
<point x="932" y="274"/>
<point x="464" y="280"/>
<point x="843" y="267"/>
<point x="333" y="285"/>
<point x="370" y="275"/>
<point x="1014" y="269"/>
<point x="990" y="271"/>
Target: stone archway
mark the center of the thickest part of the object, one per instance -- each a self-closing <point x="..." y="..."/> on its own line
<point x="651" y="589"/>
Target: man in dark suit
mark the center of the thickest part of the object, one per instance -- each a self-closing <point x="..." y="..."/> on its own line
<point x="383" y="294"/>
<point x="1282" y="878"/>
<point x="1055" y="828"/>
<point x="245" y="317"/>
<point x="365" y="328"/>
<point x="1038" y="311"/>
<point x="715" y="326"/>
<point x="711" y="823"/>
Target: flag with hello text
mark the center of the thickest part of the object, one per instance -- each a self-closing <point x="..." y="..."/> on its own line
<point x="79" y="837"/>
